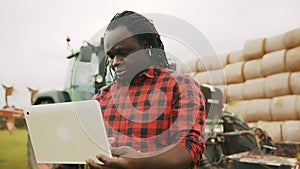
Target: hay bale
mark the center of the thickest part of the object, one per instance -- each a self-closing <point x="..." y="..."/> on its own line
<point x="292" y="38"/>
<point x="234" y="92"/>
<point x="274" y="129"/>
<point x="273" y="63"/>
<point x="238" y="108"/>
<point x="252" y="125"/>
<point x="284" y="108"/>
<point x="213" y="77"/>
<point x="298" y="107"/>
<point x="277" y="85"/>
<point x="212" y="63"/>
<point x="216" y="77"/>
<point x="223" y="59"/>
<point x="274" y="43"/>
<point x="234" y="73"/>
<point x="254" y="89"/>
<point x="258" y="110"/>
<point x="295" y="82"/>
<point x="293" y="59"/>
<point x="290" y="131"/>
<point x="252" y="69"/>
<point x="235" y="56"/>
<point x="190" y="66"/>
<point x="254" y="49"/>
<point x="202" y="78"/>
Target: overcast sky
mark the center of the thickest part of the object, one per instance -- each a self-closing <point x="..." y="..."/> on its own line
<point x="33" y="32"/>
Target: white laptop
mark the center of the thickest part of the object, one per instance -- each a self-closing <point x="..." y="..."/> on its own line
<point x="67" y="133"/>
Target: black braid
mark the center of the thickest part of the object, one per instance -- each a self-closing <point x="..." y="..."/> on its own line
<point x="143" y="29"/>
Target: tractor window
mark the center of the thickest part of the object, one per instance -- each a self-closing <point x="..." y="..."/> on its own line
<point x="84" y="77"/>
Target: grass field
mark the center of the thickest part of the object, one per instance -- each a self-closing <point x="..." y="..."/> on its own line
<point x="13" y="150"/>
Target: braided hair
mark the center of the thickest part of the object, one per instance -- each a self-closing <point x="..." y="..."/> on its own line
<point x="143" y="29"/>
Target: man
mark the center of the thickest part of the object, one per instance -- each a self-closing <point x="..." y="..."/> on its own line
<point x="155" y="115"/>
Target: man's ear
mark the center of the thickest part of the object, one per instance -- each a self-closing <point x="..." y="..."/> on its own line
<point x="145" y="44"/>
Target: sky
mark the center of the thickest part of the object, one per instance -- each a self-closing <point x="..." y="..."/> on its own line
<point x="33" y="32"/>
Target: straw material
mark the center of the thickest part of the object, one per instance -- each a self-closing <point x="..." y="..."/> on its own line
<point x="234" y="92"/>
<point x="258" y="110"/>
<point x="292" y="38"/>
<point x="235" y="56"/>
<point x="252" y="69"/>
<point x="254" y="89"/>
<point x="274" y="43"/>
<point x="273" y="63"/>
<point x="254" y="49"/>
<point x="293" y="59"/>
<point x="290" y="131"/>
<point x="277" y="85"/>
<point x="234" y="73"/>
<point x="284" y="108"/>
<point x="295" y="82"/>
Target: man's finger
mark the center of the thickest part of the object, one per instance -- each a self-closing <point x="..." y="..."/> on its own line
<point x="111" y="140"/>
<point x="111" y="162"/>
<point x="119" y="150"/>
<point x="93" y="164"/>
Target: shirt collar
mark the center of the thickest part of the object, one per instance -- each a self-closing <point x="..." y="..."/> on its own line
<point x="150" y="73"/>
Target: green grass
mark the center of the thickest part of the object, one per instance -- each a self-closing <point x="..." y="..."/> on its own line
<point x="13" y="149"/>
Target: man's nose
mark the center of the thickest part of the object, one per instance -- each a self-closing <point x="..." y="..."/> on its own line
<point x="117" y="61"/>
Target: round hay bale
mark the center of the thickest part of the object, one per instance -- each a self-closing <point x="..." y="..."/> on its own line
<point x="274" y="43"/>
<point x="292" y="38"/>
<point x="293" y="59"/>
<point x="235" y="56"/>
<point x="274" y="129"/>
<point x="254" y="89"/>
<point x="254" y="49"/>
<point x="290" y="130"/>
<point x="216" y="77"/>
<point x="252" y="69"/>
<point x="234" y="73"/>
<point x="252" y="125"/>
<point x="273" y="63"/>
<point x="190" y="66"/>
<point x="238" y="108"/>
<point x="277" y="85"/>
<point x="202" y="78"/>
<point x="258" y="110"/>
<point x="284" y="108"/>
<point x="298" y="107"/>
<point x="223" y="60"/>
<point x="295" y="82"/>
<point x="212" y="63"/>
<point x="234" y="92"/>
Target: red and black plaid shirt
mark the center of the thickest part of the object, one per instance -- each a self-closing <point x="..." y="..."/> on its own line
<point x="158" y="108"/>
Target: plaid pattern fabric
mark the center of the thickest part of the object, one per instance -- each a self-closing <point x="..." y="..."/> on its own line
<point x="159" y="108"/>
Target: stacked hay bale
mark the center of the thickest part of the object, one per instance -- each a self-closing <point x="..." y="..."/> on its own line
<point x="262" y="83"/>
<point x="267" y="93"/>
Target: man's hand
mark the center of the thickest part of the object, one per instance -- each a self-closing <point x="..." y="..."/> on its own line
<point x="108" y="163"/>
<point x="121" y="160"/>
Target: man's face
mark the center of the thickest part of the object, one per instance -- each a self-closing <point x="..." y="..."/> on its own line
<point x="128" y="54"/>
